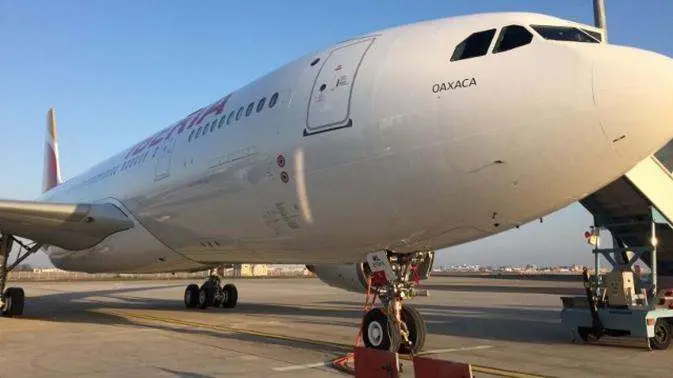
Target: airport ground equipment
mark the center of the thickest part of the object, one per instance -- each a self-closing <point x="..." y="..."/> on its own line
<point x="623" y="207"/>
<point x="620" y="303"/>
<point x="12" y="299"/>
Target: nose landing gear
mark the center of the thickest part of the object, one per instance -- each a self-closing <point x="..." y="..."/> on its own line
<point x="394" y="326"/>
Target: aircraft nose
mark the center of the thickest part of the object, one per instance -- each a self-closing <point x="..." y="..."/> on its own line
<point x="633" y="92"/>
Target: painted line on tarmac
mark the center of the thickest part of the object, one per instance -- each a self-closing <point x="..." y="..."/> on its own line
<point x="340" y="346"/>
<point x="463" y="349"/>
<point x="424" y="353"/>
<point x="301" y="367"/>
<point x="218" y="327"/>
<point x="505" y="373"/>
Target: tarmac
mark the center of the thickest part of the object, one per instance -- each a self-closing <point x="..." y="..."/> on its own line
<point x="292" y="327"/>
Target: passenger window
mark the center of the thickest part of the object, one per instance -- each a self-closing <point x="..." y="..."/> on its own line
<point x="239" y="113"/>
<point x="249" y="109"/>
<point x="473" y="46"/>
<point x="511" y="37"/>
<point x="191" y="135"/>
<point x="231" y="117"/>
<point x="260" y="104"/>
<point x="563" y="33"/>
<point x="273" y="100"/>
<point x="221" y="123"/>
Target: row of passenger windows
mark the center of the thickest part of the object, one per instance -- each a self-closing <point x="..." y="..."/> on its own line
<point x="514" y="36"/>
<point x="234" y="115"/>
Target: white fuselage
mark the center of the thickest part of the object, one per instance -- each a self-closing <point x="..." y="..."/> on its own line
<point x="401" y="149"/>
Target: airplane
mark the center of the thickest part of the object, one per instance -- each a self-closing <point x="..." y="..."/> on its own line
<point x="360" y="161"/>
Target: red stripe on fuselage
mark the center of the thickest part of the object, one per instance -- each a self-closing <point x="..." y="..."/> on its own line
<point x="51" y="167"/>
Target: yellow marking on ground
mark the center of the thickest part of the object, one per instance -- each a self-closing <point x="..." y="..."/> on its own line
<point x="340" y="346"/>
<point x="218" y="327"/>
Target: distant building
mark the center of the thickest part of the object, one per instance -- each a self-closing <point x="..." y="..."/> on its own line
<point x="48" y="270"/>
<point x="250" y="270"/>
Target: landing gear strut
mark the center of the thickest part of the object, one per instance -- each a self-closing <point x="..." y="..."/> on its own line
<point x="394" y="326"/>
<point x="12" y="299"/>
<point x="211" y="293"/>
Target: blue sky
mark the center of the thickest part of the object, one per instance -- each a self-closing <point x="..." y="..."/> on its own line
<point x="118" y="70"/>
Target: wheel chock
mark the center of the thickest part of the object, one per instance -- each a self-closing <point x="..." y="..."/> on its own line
<point x="343" y="363"/>
<point x="374" y="363"/>
<point x="432" y="368"/>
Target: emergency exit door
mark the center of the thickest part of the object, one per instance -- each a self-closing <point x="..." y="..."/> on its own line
<point x="164" y="155"/>
<point x="329" y="105"/>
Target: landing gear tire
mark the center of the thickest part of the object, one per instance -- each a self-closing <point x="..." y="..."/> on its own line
<point x="662" y="335"/>
<point x="230" y="296"/>
<point x="206" y="296"/>
<point x="14" y="299"/>
<point x="379" y="331"/>
<point x="192" y="296"/>
<point x="416" y="329"/>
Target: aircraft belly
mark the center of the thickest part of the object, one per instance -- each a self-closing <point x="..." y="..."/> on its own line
<point x="131" y="251"/>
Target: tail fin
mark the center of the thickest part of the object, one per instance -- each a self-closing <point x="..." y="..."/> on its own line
<point x="52" y="169"/>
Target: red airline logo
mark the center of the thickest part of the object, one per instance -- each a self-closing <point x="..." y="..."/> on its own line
<point x="187" y="123"/>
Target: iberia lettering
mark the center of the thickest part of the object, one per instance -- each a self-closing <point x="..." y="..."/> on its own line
<point x="190" y="121"/>
<point x="452" y="85"/>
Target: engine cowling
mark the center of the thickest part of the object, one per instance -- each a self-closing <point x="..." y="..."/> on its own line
<point x="350" y="277"/>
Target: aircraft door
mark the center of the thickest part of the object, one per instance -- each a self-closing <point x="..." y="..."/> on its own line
<point x="162" y="168"/>
<point x="329" y="104"/>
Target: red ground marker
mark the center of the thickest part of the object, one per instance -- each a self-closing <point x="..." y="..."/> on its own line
<point x="373" y="363"/>
<point x="431" y="368"/>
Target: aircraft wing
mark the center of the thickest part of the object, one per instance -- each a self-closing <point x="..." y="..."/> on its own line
<point x="72" y="226"/>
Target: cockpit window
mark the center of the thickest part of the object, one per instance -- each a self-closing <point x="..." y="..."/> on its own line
<point x="665" y="156"/>
<point x="473" y="46"/>
<point x="597" y="36"/>
<point x="563" y="33"/>
<point x="511" y="37"/>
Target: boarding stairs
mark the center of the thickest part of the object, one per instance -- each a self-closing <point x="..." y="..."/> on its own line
<point x="626" y="205"/>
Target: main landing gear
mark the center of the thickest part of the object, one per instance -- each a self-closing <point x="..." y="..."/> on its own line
<point x="396" y="327"/>
<point x="12" y="299"/>
<point x="211" y="293"/>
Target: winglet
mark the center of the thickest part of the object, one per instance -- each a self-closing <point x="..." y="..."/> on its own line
<point x="52" y="169"/>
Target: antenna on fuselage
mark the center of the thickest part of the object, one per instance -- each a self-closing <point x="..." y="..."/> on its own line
<point x="600" y="19"/>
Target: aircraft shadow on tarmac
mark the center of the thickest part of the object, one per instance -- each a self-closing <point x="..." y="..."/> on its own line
<point x="77" y="307"/>
<point x="534" y="325"/>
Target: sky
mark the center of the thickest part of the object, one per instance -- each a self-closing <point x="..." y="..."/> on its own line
<point x="117" y="71"/>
